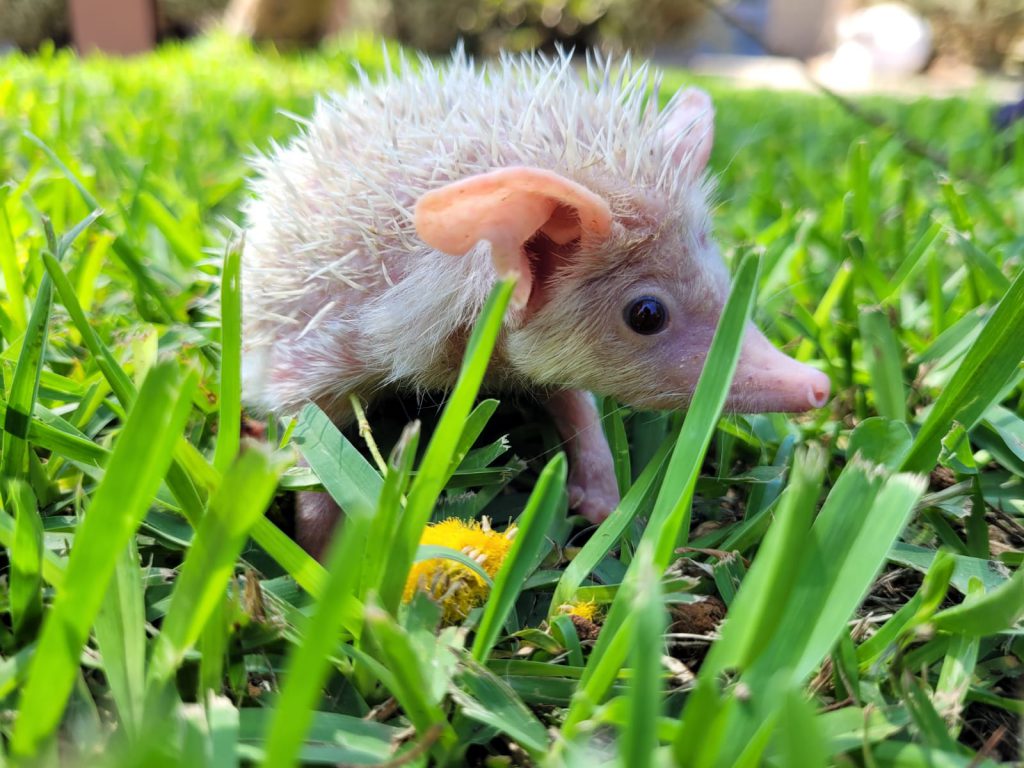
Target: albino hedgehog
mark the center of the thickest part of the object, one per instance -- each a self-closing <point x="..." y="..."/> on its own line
<point x="376" y="235"/>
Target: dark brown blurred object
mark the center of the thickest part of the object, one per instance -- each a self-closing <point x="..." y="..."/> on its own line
<point x="489" y="26"/>
<point x="113" y="26"/>
<point x="27" y="23"/>
<point x="187" y="17"/>
<point x="284" y="22"/>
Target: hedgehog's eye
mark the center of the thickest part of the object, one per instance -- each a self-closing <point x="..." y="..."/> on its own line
<point x="646" y="315"/>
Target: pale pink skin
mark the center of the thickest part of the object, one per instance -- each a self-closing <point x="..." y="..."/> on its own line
<point x="580" y="261"/>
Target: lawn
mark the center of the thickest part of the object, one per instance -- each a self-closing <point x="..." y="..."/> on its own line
<point x="867" y="555"/>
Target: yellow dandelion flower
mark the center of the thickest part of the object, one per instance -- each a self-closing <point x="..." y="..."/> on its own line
<point x="588" y="609"/>
<point x="455" y="586"/>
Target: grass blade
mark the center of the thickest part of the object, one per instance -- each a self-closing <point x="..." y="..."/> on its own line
<point x="988" y="614"/>
<point x="533" y="525"/>
<point x="669" y="523"/>
<point x="138" y="464"/>
<point x="437" y="463"/>
<point x="121" y="636"/>
<point x="25" y="383"/>
<point x="639" y="737"/>
<point x="990" y="362"/>
<point x="350" y="479"/>
<point x="608" y="534"/>
<point x="882" y="359"/>
<point x="308" y="663"/>
<point x="410" y="678"/>
<point x="26" y="556"/>
<point x="244" y="494"/>
<point x="229" y="421"/>
<point x="754" y="614"/>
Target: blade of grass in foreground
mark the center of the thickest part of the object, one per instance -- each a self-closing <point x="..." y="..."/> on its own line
<point x="349" y="478"/>
<point x="309" y="663"/>
<point x="136" y="468"/>
<point x="639" y="737"/>
<point x="608" y="533"/>
<point x="245" y="492"/>
<point x="229" y="422"/>
<point x="812" y="579"/>
<point x="534" y="524"/>
<point x="410" y="678"/>
<point x="9" y="267"/>
<point x="121" y="636"/>
<point x="992" y="359"/>
<point x="772" y="573"/>
<point x="26" y="556"/>
<point x="436" y="466"/>
<point x="670" y="521"/>
<point x="671" y="518"/>
<point x="25" y="382"/>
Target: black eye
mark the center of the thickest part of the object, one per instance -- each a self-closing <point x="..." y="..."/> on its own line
<point x="646" y="315"/>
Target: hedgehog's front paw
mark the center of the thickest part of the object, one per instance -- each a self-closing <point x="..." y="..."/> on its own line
<point x="593" y="495"/>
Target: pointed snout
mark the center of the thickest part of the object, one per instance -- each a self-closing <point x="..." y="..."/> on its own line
<point x="768" y="381"/>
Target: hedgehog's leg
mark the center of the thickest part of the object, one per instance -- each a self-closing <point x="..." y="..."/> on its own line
<point x="593" y="491"/>
<point x="316" y="515"/>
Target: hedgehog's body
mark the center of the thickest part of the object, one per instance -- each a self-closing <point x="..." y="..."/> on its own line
<point x="582" y="187"/>
<point x="337" y="283"/>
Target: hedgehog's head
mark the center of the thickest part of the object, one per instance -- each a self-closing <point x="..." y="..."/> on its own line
<point x="619" y="290"/>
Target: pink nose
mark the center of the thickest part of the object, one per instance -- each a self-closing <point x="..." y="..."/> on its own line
<point x="766" y="380"/>
<point x="818" y="387"/>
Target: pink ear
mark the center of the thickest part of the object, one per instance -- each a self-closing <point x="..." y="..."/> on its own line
<point x="507" y="208"/>
<point x="689" y="129"/>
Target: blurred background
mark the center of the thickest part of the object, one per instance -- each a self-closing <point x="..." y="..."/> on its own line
<point x="935" y="45"/>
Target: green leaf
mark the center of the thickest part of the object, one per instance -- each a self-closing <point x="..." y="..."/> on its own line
<point x="995" y="611"/>
<point x="798" y="738"/>
<point x="309" y="662"/>
<point x="774" y="573"/>
<point x="669" y="523"/>
<point x="26" y="557"/>
<point x="25" y="383"/>
<point x="436" y="551"/>
<point x="410" y="676"/>
<point x="10" y="268"/>
<point x="880" y="440"/>
<point x="384" y="527"/>
<point x="486" y="698"/>
<point x="350" y="479"/>
<point x="333" y="738"/>
<point x="611" y="530"/>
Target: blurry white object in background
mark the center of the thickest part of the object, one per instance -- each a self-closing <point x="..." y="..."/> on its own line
<point x="881" y="42"/>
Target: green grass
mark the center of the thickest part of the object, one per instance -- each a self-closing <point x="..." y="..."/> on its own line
<point x="868" y="555"/>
